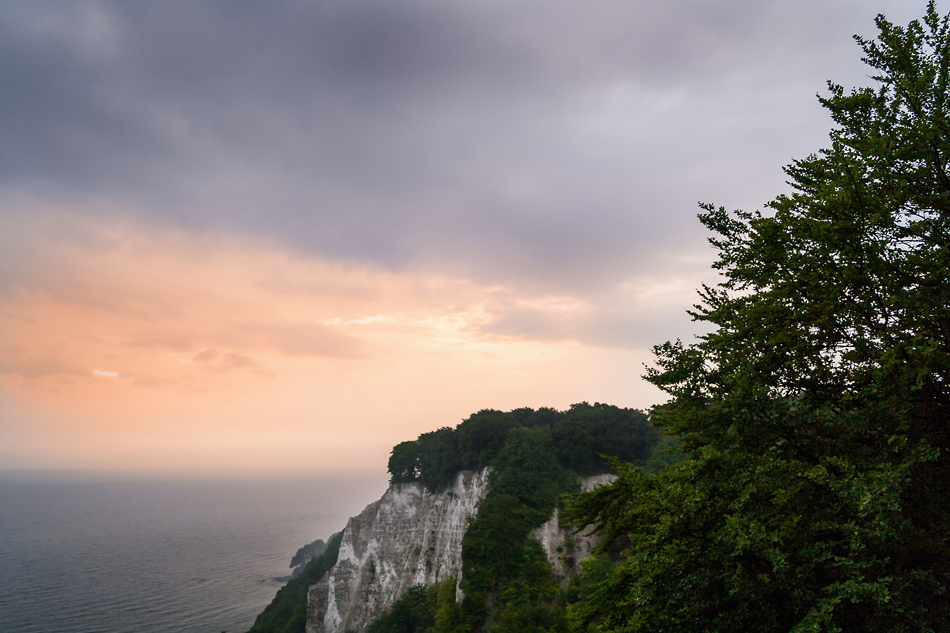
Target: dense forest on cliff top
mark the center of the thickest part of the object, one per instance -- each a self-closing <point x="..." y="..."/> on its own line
<point x="813" y="418"/>
<point x="578" y="439"/>
<point x="535" y="457"/>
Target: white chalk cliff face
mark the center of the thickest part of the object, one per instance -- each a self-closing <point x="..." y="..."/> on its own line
<point x="409" y="537"/>
<point x="413" y="537"/>
<point x="566" y="550"/>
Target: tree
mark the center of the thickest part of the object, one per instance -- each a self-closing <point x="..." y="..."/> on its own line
<point x="505" y="578"/>
<point x="815" y="415"/>
<point x="587" y="432"/>
<point x="438" y="458"/>
<point x="482" y="435"/>
<point x="404" y="462"/>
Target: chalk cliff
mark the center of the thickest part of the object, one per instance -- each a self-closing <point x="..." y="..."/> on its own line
<point x="414" y="537"/>
<point x="409" y="537"/>
<point x="564" y="549"/>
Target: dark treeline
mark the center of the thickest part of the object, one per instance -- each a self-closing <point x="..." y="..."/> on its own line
<point x="535" y="458"/>
<point x="579" y="439"/>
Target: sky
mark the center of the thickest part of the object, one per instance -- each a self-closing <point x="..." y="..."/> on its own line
<point x="285" y="236"/>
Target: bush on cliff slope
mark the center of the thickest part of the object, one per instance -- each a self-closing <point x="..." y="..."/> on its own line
<point x="287" y="612"/>
<point x="504" y="573"/>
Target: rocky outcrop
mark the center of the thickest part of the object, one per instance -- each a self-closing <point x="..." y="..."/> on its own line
<point x="409" y="537"/>
<point x="306" y="554"/>
<point x="414" y="537"/>
<point x="565" y="549"/>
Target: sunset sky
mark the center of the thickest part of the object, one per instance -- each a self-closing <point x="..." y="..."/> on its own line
<point x="288" y="235"/>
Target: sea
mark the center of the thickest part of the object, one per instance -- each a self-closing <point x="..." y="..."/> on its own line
<point x="135" y="553"/>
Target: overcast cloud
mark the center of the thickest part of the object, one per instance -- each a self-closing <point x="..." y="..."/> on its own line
<point x="553" y="147"/>
<point x="292" y="234"/>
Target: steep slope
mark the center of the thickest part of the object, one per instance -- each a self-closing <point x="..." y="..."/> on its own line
<point x="409" y="537"/>
<point x="564" y="549"/>
<point x="412" y="537"/>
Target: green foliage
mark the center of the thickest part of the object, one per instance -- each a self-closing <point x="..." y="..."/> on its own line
<point x="287" y="612"/>
<point x="667" y="450"/>
<point x="422" y="610"/>
<point x="580" y="437"/>
<point x="527" y="470"/>
<point x="815" y="415"/>
<point x="449" y="617"/>
<point x="665" y="453"/>
<point x="527" y="603"/>
<point x="545" y="416"/>
<point x="438" y="458"/>
<point x="595" y="570"/>
<point x="587" y="432"/>
<point x="509" y="583"/>
<point x="505" y="575"/>
<point x="413" y="613"/>
<point x="307" y="553"/>
<point x="534" y="456"/>
<point x="404" y="462"/>
<point x="482" y="436"/>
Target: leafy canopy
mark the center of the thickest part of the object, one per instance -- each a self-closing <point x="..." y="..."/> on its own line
<point x="580" y="437"/>
<point x="816" y="412"/>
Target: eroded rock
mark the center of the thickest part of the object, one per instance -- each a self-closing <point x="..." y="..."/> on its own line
<point x="564" y="549"/>
<point x="409" y="537"/>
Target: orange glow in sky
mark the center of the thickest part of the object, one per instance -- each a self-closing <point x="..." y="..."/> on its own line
<point x="254" y="237"/>
<point x="131" y="349"/>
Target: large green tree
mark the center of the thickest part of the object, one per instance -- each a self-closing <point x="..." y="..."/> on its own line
<point x="815" y="415"/>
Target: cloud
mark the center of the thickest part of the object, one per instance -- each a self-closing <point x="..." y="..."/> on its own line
<point x="204" y="351"/>
<point x="555" y="146"/>
<point x="351" y="288"/>
<point x="32" y="365"/>
<point x="296" y="338"/>
<point x="43" y="367"/>
<point x="284" y="337"/>
<point x="610" y="325"/>
<point x="155" y="382"/>
<point x="179" y="342"/>
<point x="222" y="362"/>
<point x="206" y="356"/>
<point x="448" y="205"/>
<point x="234" y="360"/>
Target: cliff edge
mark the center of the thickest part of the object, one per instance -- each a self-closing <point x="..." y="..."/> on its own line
<point x="409" y="537"/>
<point x="565" y="550"/>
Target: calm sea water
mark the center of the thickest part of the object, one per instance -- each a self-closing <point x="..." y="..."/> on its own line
<point x="126" y="555"/>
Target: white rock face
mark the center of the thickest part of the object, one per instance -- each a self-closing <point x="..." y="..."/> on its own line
<point x="564" y="549"/>
<point x="409" y="537"/>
